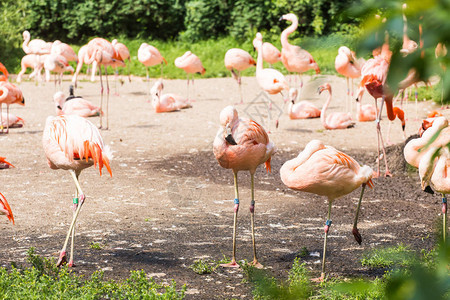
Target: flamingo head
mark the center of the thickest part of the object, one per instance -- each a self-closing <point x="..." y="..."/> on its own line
<point x="293" y="93"/>
<point x="26" y="35"/>
<point x="257" y="41"/>
<point x="114" y="42"/>
<point x="157" y="88"/>
<point x="228" y="116"/>
<point x="5" y="209"/>
<point x="289" y="17"/>
<point x="324" y="87"/>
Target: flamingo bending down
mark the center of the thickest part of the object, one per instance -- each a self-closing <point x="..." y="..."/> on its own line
<point x="33" y="61"/>
<point x="191" y="64"/>
<point x="294" y="58"/>
<point x="335" y="120"/>
<point x="73" y="143"/>
<point x="58" y="64"/>
<point x="35" y="46"/>
<point x="166" y="102"/>
<point x="270" y="80"/>
<point x="347" y="65"/>
<point x="303" y="109"/>
<point x="271" y="54"/>
<point x="400" y="114"/>
<point x="9" y="94"/>
<point x="74" y="105"/>
<point x="240" y="145"/>
<point x="435" y="172"/>
<point x="325" y="171"/>
<point x="237" y="60"/>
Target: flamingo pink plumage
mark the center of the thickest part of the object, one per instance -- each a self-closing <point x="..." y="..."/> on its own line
<point x="191" y="64"/>
<point x="335" y="120"/>
<point x="237" y="60"/>
<point x="35" y="46"/>
<point x="74" y="105"/>
<point x="366" y="112"/>
<point x="11" y="120"/>
<point x="65" y="50"/>
<point x="58" y="64"/>
<point x="303" y="109"/>
<point x="82" y="58"/>
<point x="9" y="94"/>
<point x="347" y="65"/>
<point x="167" y="102"/>
<point x="33" y="61"/>
<point x="240" y="145"/>
<point x="4" y="76"/>
<point x="123" y="54"/>
<point x="271" y="54"/>
<point x="325" y="171"/>
<point x="73" y="143"/>
<point x="408" y="46"/>
<point x="294" y="58"/>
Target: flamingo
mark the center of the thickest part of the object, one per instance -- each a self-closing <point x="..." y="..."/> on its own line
<point x="408" y="46"/>
<point x="35" y="46"/>
<point x="347" y="65"/>
<point x="303" y="109"/>
<point x="435" y="171"/>
<point x="73" y="143"/>
<point x="335" y="120"/>
<point x="294" y="58"/>
<point x="58" y="64"/>
<point x="123" y="54"/>
<point x="103" y="53"/>
<point x="167" y="102"/>
<point x="237" y="60"/>
<point x="9" y="94"/>
<point x="11" y="120"/>
<point x="4" y="76"/>
<point x="74" y="105"/>
<point x="33" y="61"/>
<point x="400" y="114"/>
<point x="150" y="56"/>
<point x="271" y="54"/>
<point x="366" y="112"/>
<point x="325" y="171"/>
<point x="242" y="144"/>
<point x="82" y="58"/>
<point x="191" y="64"/>
<point x="65" y="50"/>
<point x="270" y="80"/>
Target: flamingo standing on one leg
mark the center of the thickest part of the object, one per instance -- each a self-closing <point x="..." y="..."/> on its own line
<point x="270" y="80"/>
<point x="271" y="54"/>
<point x="335" y="120"/>
<point x="237" y="60"/>
<point x="303" y="109"/>
<point x="150" y="56"/>
<point x="294" y="58"/>
<point x="240" y="145"/>
<point x="123" y="54"/>
<point x="191" y="64"/>
<point x="325" y="171"/>
<point x="73" y="143"/>
<point x="58" y="64"/>
<point x="166" y="102"/>
<point x="9" y="94"/>
<point x="74" y="105"/>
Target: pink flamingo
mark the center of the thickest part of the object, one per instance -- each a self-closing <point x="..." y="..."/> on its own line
<point x="58" y="64"/>
<point x="240" y="145"/>
<point x="74" y="105"/>
<point x="150" y="56"/>
<point x="4" y="76"/>
<point x="82" y="58"/>
<point x="325" y="171"/>
<point x="191" y="64"/>
<point x="435" y="172"/>
<point x="335" y="120"/>
<point x="294" y="58"/>
<point x="33" y="61"/>
<point x="123" y="54"/>
<point x="73" y="143"/>
<point x="65" y="50"/>
<point x="271" y="54"/>
<point x="347" y="65"/>
<point x="270" y="80"/>
<point x="36" y="46"/>
<point x="9" y="94"/>
<point x="366" y="112"/>
<point x="303" y="109"/>
<point x="11" y="120"/>
<point x="103" y="53"/>
<point x="237" y="60"/>
<point x="166" y="102"/>
<point x="408" y="46"/>
<point x="400" y="114"/>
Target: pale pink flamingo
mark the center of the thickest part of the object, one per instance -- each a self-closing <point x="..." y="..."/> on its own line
<point x="150" y="56"/>
<point x="9" y="94"/>
<point x="166" y="102"/>
<point x="294" y="58"/>
<point x="35" y="46"/>
<point x="82" y="58"/>
<point x="5" y="209"/>
<point x="271" y="54"/>
<point x="65" y="50"/>
<point x="103" y="53"/>
<point x="74" y="105"/>
<point x="58" y="64"/>
<point x="325" y="171"/>
<point x="303" y="109"/>
<point x="366" y="112"/>
<point x="33" y="61"/>
<point x="270" y="80"/>
<point x="123" y="54"/>
<point x="335" y="120"/>
<point x="435" y="172"/>
<point x="191" y="64"/>
<point x="240" y="145"/>
<point x="237" y="60"/>
<point x="11" y="120"/>
<point x="347" y="65"/>
<point x="73" y="143"/>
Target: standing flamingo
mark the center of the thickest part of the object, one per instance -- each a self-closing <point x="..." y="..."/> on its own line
<point x="65" y="50"/>
<point x="303" y="109"/>
<point x="35" y="46"/>
<point x="408" y="46"/>
<point x="270" y="80"/>
<point x="58" y="64"/>
<point x="191" y="64"/>
<point x="166" y="102"/>
<point x="335" y="120"/>
<point x="237" y="60"/>
<point x="33" y="61"/>
<point x="103" y="53"/>
<point x="271" y="54"/>
<point x="325" y="171"/>
<point x="150" y="56"/>
<point x="240" y="145"/>
<point x="9" y="94"/>
<point x="294" y="58"/>
<point x="74" y="105"/>
<point x="123" y="54"/>
<point x="73" y="143"/>
<point x="82" y="58"/>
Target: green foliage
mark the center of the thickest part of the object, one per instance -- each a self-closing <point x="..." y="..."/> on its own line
<point x="96" y="246"/>
<point x="201" y="267"/>
<point x="44" y="281"/>
<point x="399" y="255"/>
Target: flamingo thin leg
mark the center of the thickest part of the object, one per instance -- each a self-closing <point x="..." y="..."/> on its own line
<point x="233" y="263"/>
<point x="255" y="262"/>
<point x="107" y="98"/>
<point x="355" y="231"/>
<point x="72" y="242"/>
<point x="101" y="96"/>
<point x="326" y="229"/>
<point x="444" y="218"/>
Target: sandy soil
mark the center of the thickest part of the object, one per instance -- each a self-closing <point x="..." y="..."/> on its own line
<point x="169" y="203"/>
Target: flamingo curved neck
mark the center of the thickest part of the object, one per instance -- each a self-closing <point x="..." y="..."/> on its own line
<point x="323" y="116"/>
<point x="259" y="60"/>
<point x="285" y="34"/>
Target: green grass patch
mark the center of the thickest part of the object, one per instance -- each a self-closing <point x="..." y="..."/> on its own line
<point x="42" y="280"/>
<point x="399" y="255"/>
<point x="201" y="266"/>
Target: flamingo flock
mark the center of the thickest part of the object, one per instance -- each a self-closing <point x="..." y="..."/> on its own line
<point x="73" y="143"/>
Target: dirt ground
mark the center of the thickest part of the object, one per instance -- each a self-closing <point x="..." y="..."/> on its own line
<point x="169" y="202"/>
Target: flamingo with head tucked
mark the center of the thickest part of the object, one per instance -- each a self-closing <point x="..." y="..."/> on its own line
<point x="237" y="60"/>
<point x="191" y="64"/>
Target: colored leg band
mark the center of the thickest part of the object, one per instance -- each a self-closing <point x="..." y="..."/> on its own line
<point x="252" y="203"/>
<point x="75" y="200"/>
<point x="236" y="201"/>
<point x="444" y="200"/>
<point x="328" y="222"/>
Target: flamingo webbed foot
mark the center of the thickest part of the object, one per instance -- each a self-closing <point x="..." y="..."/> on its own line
<point x="256" y="264"/>
<point x="71" y="264"/>
<point x="62" y="259"/>
<point x="357" y="235"/>
<point x="232" y="264"/>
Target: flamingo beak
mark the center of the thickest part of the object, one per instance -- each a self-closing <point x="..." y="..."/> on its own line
<point x="320" y="89"/>
<point x="281" y="19"/>
<point x="229" y="137"/>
